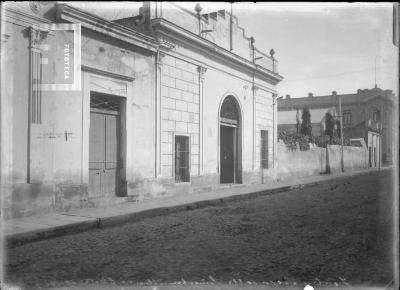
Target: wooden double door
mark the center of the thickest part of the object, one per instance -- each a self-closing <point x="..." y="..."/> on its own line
<point x="104" y="151"/>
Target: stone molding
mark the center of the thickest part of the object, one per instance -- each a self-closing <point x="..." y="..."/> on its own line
<point x="169" y="29"/>
<point x="166" y="44"/>
<point x="92" y="22"/>
<point x="107" y="73"/>
<point x="202" y="71"/>
<point x="160" y="56"/>
<point x="37" y="34"/>
<point x="5" y="37"/>
<point x="255" y="88"/>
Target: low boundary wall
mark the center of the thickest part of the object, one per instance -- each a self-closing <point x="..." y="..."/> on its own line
<point x="318" y="160"/>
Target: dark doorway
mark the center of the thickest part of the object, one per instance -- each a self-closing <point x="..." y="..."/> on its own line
<point x="104" y="145"/>
<point x="230" y="153"/>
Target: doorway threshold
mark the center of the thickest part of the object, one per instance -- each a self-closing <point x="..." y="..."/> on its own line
<point x="229" y="185"/>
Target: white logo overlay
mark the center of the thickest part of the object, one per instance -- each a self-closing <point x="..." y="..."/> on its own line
<point x="60" y="51"/>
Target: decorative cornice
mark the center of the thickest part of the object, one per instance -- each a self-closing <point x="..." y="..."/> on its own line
<point x="37" y="6"/>
<point x="202" y="70"/>
<point x="107" y="73"/>
<point x="22" y="18"/>
<point x="169" y="29"/>
<point x="197" y="63"/>
<point x="274" y="99"/>
<point x="289" y="104"/>
<point x="37" y="35"/>
<point x="95" y="23"/>
<point x="166" y="44"/>
<point x="5" y="37"/>
<point x="160" y="57"/>
<point x="370" y="98"/>
<point x="255" y="88"/>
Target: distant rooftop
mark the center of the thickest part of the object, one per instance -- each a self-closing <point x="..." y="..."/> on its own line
<point x="289" y="103"/>
<point x="290" y="117"/>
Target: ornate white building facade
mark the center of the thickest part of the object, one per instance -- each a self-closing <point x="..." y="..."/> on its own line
<point x="170" y="101"/>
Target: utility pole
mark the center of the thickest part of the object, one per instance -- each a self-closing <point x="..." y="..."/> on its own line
<point x="231" y="28"/>
<point x="341" y="133"/>
<point x="375" y="73"/>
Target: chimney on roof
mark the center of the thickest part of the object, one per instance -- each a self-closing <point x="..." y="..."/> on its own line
<point x="334" y="93"/>
<point x="287" y="96"/>
<point x="310" y="95"/>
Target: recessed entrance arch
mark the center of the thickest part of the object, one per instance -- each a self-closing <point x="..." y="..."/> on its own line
<point x="230" y="141"/>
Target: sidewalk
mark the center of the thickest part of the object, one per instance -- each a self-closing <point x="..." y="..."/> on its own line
<point x="28" y="229"/>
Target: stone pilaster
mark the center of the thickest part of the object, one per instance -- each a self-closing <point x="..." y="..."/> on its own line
<point x="36" y="34"/>
<point x="159" y="64"/>
<point x="202" y="71"/>
<point x="275" y="129"/>
<point x="254" y="89"/>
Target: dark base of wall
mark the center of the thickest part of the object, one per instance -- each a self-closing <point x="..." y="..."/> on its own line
<point x="153" y="188"/>
<point x="29" y="199"/>
<point x="40" y="198"/>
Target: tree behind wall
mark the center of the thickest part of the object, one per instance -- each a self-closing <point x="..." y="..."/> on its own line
<point x="329" y="126"/>
<point x="338" y="132"/>
<point x="306" y="128"/>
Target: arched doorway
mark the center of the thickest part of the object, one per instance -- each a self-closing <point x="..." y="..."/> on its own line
<point x="230" y="141"/>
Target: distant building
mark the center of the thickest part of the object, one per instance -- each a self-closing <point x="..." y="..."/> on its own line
<point x="367" y="114"/>
<point x="289" y="121"/>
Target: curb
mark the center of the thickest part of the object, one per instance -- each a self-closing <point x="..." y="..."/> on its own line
<point x="100" y="223"/>
<point x="41" y="234"/>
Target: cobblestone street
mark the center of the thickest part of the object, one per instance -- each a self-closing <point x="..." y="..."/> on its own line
<point x="338" y="231"/>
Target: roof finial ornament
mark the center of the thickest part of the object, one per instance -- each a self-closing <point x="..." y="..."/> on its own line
<point x="272" y="52"/>
<point x="198" y="8"/>
<point x="252" y="40"/>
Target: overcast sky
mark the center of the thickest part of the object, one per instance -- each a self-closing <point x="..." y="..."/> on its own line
<point x="324" y="47"/>
<point x="321" y="47"/>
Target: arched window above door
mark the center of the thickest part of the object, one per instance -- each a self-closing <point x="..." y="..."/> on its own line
<point x="230" y="111"/>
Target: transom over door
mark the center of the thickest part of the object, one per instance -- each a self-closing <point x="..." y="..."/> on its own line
<point x="104" y="152"/>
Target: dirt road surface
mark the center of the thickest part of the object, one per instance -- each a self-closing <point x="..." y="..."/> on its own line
<point x="339" y="231"/>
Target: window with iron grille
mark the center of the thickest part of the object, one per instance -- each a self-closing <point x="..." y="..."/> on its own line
<point x="347" y="117"/>
<point x="229" y="111"/>
<point x="104" y="102"/>
<point x="182" y="172"/>
<point x="264" y="149"/>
